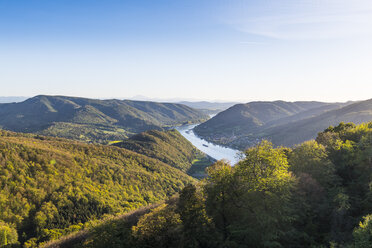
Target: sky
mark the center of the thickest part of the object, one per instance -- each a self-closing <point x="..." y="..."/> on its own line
<point x="227" y="50"/>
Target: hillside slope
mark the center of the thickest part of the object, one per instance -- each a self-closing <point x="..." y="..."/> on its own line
<point x="52" y="186"/>
<point x="284" y="123"/>
<point x="91" y="119"/>
<point x="171" y="148"/>
<point x="306" y="129"/>
<point x="248" y="117"/>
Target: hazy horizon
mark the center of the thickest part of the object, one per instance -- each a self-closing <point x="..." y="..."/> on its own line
<point x="172" y="100"/>
<point x="201" y="50"/>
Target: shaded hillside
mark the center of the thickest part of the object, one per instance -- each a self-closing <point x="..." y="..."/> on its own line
<point x="306" y="114"/>
<point x="245" y="118"/>
<point x="91" y="119"/>
<point x="306" y="129"/>
<point x="245" y="124"/>
<point x="171" y="148"/>
<point x="52" y="186"/>
<point x="103" y="231"/>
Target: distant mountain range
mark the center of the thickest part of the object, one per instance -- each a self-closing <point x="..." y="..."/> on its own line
<point x="284" y="123"/>
<point x="93" y="120"/>
<point x="209" y="107"/>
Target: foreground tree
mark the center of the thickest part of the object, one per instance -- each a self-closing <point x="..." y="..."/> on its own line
<point x="219" y="191"/>
<point x="160" y="228"/>
<point x="8" y="235"/>
<point x="349" y="147"/>
<point x="265" y="193"/>
<point x="197" y="230"/>
<point x="316" y="186"/>
<point x="250" y="202"/>
<point x="363" y="233"/>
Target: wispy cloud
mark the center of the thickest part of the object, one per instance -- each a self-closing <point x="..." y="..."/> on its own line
<point x="306" y="20"/>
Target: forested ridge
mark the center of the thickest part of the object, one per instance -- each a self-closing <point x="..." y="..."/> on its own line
<point x="50" y="187"/>
<point x="171" y="148"/>
<point x="93" y="120"/>
<point x="283" y="123"/>
<point x="317" y="194"/>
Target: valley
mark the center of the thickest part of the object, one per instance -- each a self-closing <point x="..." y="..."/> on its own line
<point x="217" y="152"/>
<point x="83" y="168"/>
<point x="186" y="124"/>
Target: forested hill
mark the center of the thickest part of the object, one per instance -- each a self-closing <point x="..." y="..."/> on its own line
<point x="92" y="119"/>
<point x="53" y="186"/>
<point x="171" y="148"/>
<point x="246" y="118"/>
<point x="284" y="123"/>
<point x="303" y="129"/>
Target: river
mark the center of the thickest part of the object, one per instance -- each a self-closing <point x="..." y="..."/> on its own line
<point x="215" y="151"/>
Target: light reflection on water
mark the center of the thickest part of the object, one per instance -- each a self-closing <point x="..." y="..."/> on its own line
<point x="215" y="151"/>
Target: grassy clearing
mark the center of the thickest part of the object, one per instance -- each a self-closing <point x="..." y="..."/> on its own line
<point x="199" y="165"/>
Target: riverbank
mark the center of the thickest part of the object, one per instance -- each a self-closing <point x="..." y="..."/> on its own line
<point x="215" y="151"/>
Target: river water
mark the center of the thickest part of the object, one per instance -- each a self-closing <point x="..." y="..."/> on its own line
<point x="215" y="151"/>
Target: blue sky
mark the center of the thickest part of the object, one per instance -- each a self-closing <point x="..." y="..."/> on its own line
<point x="192" y="49"/>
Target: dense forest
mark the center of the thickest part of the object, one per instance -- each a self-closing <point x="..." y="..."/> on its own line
<point x="316" y="194"/>
<point x="171" y="148"/>
<point x="50" y="187"/>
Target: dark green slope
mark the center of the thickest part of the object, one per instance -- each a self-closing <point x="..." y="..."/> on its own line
<point x="91" y="119"/>
<point x="52" y="186"/>
<point x="306" y="114"/>
<point x="285" y="123"/>
<point x="171" y="148"/>
<point x="246" y="118"/>
<point x="306" y="129"/>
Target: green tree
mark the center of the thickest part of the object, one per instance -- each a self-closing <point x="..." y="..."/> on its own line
<point x="349" y="148"/>
<point x="196" y="225"/>
<point x="265" y="185"/>
<point x="8" y="235"/>
<point x="316" y="186"/>
<point x="219" y="204"/>
<point x="363" y="233"/>
<point x="249" y="203"/>
<point x="160" y="228"/>
<point x="311" y="158"/>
